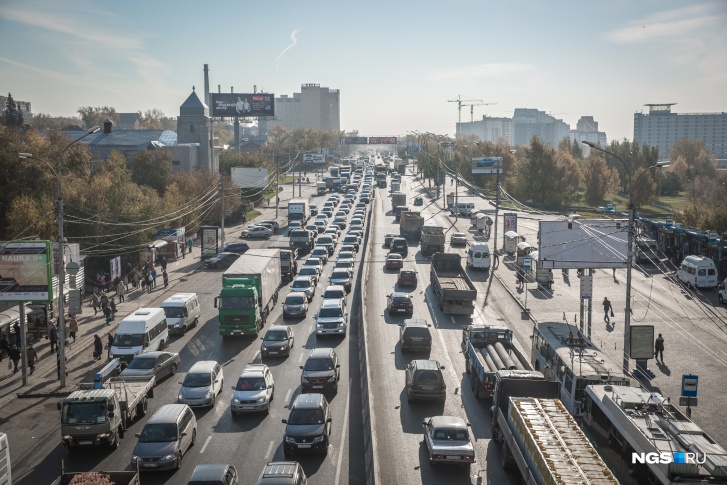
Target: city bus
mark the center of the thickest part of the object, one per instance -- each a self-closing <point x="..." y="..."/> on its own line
<point x="562" y="353"/>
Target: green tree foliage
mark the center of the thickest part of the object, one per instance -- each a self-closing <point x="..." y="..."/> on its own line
<point x="707" y="207"/>
<point x="12" y="116"/>
<point x="95" y="116"/>
<point x="668" y="183"/>
<point x="634" y="156"/>
<point x="543" y="177"/>
<point x="152" y="168"/>
<point x="151" y="119"/>
<point x="698" y="159"/>
<point x="599" y="180"/>
<point x="43" y="122"/>
<point x="644" y="188"/>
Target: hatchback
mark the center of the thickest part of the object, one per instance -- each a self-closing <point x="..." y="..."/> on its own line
<point x="424" y="380"/>
<point x="202" y="384"/>
<point x="407" y="277"/>
<point x="278" y="340"/>
<point x="166" y="437"/>
<point x="398" y="302"/>
<point x="415" y="335"/>
<point x="399" y="245"/>
<point x="311" y="272"/>
<point x="295" y="304"/>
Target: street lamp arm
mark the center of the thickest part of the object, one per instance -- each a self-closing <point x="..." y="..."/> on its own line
<point x="593" y="145"/>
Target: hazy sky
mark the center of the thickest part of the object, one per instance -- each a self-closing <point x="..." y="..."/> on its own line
<point x="396" y="63"/>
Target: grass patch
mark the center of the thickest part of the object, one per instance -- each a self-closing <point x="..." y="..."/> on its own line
<point x="249" y="215"/>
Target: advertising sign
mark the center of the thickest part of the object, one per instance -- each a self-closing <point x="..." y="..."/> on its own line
<point x="250" y="177"/>
<point x="486" y="165"/>
<point x="586" y="287"/>
<point x="354" y="140"/>
<point x="642" y="341"/>
<point x="25" y="271"/>
<point x="509" y="222"/>
<point x="115" y="267"/>
<point x="74" y="302"/>
<point x="590" y="244"/>
<point x="209" y="237"/>
<point x="228" y="105"/>
<point x="382" y="140"/>
<point x="317" y="158"/>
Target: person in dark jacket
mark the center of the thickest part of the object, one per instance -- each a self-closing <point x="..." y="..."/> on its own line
<point x="165" y="277"/>
<point x="107" y="314"/>
<point x="32" y="356"/>
<point x="14" y="357"/>
<point x="16" y="329"/>
<point x="53" y="337"/>
<point x="97" y="347"/>
<point x="4" y="346"/>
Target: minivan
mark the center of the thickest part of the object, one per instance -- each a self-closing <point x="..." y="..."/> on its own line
<point x="462" y="208"/>
<point x="144" y="330"/>
<point x="182" y="311"/>
<point x="202" y="384"/>
<point x="698" y="272"/>
<point x="165" y="438"/>
<point x="478" y="256"/>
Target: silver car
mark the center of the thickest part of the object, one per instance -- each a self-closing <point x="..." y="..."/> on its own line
<point x="157" y="364"/>
<point x="295" y="304"/>
<point x="304" y="284"/>
<point x="448" y="440"/>
<point x="256" y="232"/>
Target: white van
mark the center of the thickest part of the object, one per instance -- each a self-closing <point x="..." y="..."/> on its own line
<point x="145" y="330"/>
<point x="723" y="292"/>
<point x="698" y="272"/>
<point x="462" y="208"/>
<point x="5" y="472"/>
<point x="478" y="256"/>
<point x="182" y="311"/>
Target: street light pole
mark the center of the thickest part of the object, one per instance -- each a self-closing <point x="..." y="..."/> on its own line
<point x="61" y="262"/>
<point x="629" y="252"/>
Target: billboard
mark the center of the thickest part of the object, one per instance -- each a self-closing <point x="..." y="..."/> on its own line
<point x="486" y="165"/>
<point x="25" y="271"/>
<point x="210" y="236"/>
<point x="382" y="140"/>
<point x="247" y="178"/>
<point x="354" y="140"/>
<point x="642" y="341"/>
<point x="585" y="243"/>
<point x="317" y="158"/>
<point x="229" y="105"/>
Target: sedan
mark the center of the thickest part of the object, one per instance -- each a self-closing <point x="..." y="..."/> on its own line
<point x="458" y="239"/>
<point x="340" y="222"/>
<point x="277" y="341"/>
<point x="221" y="260"/>
<point x="310" y="272"/>
<point x="320" y="253"/>
<point x="313" y="229"/>
<point x="394" y="261"/>
<point x="320" y="225"/>
<point x="304" y="284"/>
<point x="398" y="302"/>
<point x="256" y="232"/>
<point x="238" y="247"/>
<point x="352" y="241"/>
<point x="448" y="440"/>
<point x="157" y="364"/>
<point x="272" y="222"/>
<point x="295" y="304"/>
<point x="314" y="263"/>
<point x="341" y="277"/>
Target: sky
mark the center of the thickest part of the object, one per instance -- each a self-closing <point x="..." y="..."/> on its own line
<point x="397" y="64"/>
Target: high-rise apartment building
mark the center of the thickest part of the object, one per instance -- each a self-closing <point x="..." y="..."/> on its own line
<point x="489" y="129"/>
<point x="313" y="107"/>
<point x="587" y="130"/>
<point x="529" y="122"/>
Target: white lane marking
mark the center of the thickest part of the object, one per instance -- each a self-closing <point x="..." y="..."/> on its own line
<point x="343" y="436"/>
<point x="300" y="357"/>
<point x="452" y="318"/>
<point x="287" y="396"/>
<point x="204" y="446"/>
<point x="267" y="453"/>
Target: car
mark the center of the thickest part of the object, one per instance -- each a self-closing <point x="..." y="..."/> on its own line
<point x="200" y="387"/>
<point x="355" y="232"/>
<point x="333" y="230"/>
<point x="313" y="208"/>
<point x="398" y="302"/>
<point x="278" y="340"/>
<point x="254" y="390"/>
<point x="345" y="208"/>
<point x="335" y="292"/>
<point x="458" y="239"/>
<point x="238" y="247"/>
<point x="313" y="262"/>
<point x="332" y="318"/>
<point x="221" y="260"/>
<point x="340" y="213"/>
<point x="327" y="211"/>
<point x="267" y="224"/>
<point x="415" y="335"/>
<point x="321" y="371"/>
<point x="214" y="474"/>
<point x="158" y="364"/>
<point x="356" y="227"/>
<point x="388" y="238"/>
<point x="352" y="241"/>
<point x="256" y="232"/>
<point x="305" y="285"/>
<point x="283" y="473"/>
<point x="365" y="198"/>
<point x="341" y="277"/>
<point x="322" y="217"/>
<point x="423" y="379"/>
<point x="293" y="225"/>
<point x="448" y="440"/>
<point x="308" y="427"/>
<point x="344" y="265"/>
<point x="328" y="242"/>
<point x="272" y="222"/>
<point x="400" y="246"/>
<point x="407" y="277"/>
<point x="313" y="229"/>
<point x="418" y="201"/>
<point x="320" y="253"/>
<point x="165" y="438"/>
<point x="340" y="222"/>
<point x="320" y="225"/>
<point x="394" y="261"/>
<point x="311" y="272"/>
<point x="295" y="304"/>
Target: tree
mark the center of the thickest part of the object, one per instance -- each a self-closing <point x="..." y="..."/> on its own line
<point x="698" y="159"/>
<point x="547" y="177"/>
<point x="95" y="116"/>
<point x="43" y="122"/>
<point x="152" y="168"/>
<point x="151" y="119"/>
<point x="12" y="115"/>
<point x="643" y="187"/>
<point x="599" y="179"/>
<point x="668" y="183"/>
<point x="634" y="156"/>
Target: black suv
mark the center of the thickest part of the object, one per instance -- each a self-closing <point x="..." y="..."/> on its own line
<point x="399" y="245"/>
<point x="238" y="247"/>
<point x="308" y="426"/>
<point x="424" y="380"/>
<point x="415" y="335"/>
<point x="321" y="371"/>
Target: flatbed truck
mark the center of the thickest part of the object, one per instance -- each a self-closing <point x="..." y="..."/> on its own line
<point x="432" y="240"/>
<point x="454" y="289"/>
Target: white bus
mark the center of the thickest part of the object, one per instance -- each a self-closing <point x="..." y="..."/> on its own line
<point x="565" y="355"/>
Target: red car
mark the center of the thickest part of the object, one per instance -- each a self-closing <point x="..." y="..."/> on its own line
<point x="394" y="261"/>
<point x="407" y="277"/>
<point x="399" y="303"/>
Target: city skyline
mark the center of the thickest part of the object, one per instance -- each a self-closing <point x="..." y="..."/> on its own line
<point x="396" y="66"/>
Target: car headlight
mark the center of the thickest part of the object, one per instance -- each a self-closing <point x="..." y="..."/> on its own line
<point x="103" y="435"/>
<point x="303" y="379"/>
<point x="284" y="347"/>
<point x="263" y="348"/>
<point x="318" y="439"/>
<point x="235" y="400"/>
<point x="67" y="437"/>
<point x="332" y="379"/>
<point x="168" y="457"/>
<point x="262" y="399"/>
<point x="208" y="395"/>
<point x="288" y="439"/>
<point x="134" y="458"/>
<point x="180" y="396"/>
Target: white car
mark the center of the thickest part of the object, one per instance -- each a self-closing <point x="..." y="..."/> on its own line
<point x="305" y="285"/>
<point x="254" y="390"/>
<point x="448" y="440"/>
<point x="316" y="263"/>
<point x="256" y="232"/>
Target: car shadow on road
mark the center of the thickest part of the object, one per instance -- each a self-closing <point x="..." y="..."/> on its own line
<point x="411" y="414"/>
<point x="441" y="473"/>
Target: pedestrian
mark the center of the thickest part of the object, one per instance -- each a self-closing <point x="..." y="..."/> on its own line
<point x="58" y="365"/>
<point x="164" y="263"/>
<point x="73" y="327"/>
<point x="121" y="291"/>
<point x="143" y="284"/>
<point x="104" y="301"/>
<point x="102" y="284"/>
<point x="659" y="348"/>
<point x="95" y="303"/>
<point x="520" y="277"/>
<point x="154" y="277"/>
<point x="53" y="338"/>
<point x="16" y="329"/>
<point x="14" y="357"/>
<point x="614" y="273"/>
<point x="136" y="279"/>
<point x="117" y="282"/>
<point x="190" y="243"/>
<point x="183" y="249"/>
<point x="32" y="356"/>
<point x="4" y="346"/>
<point x="149" y="281"/>
<point x="109" y="343"/>
<point x="97" y="347"/>
<point x="107" y="314"/>
<point x="550" y="279"/>
<point x="165" y="277"/>
<point x="607" y="309"/>
<point x="112" y="305"/>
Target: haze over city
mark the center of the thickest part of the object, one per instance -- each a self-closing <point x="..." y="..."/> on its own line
<point x="396" y="63"/>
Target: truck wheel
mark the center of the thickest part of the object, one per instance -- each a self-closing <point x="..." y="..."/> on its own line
<point x="115" y="444"/>
<point x="141" y="408"/>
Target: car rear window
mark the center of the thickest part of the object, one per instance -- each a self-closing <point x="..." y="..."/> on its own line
<point x="407" y="274"/>
<point x="340" y="275"/>
<point x="400" y="299"/>
<point x="333" y="294"/>
<point x="416" y="332"/>
<point x="427" y="376"/>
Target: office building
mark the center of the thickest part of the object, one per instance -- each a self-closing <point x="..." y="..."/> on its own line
<point x="313" y="107"/>
<point x="528" y="123"/>
<point x="489" y="129"/>
<point x="587" y="130"/>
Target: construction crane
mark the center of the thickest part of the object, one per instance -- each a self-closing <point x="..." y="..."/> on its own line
<point x="472" y="108"/>
<point x="459" y="101"/>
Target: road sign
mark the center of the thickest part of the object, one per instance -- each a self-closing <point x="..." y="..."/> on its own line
<point x="527" y="262"/>
<point x="689" y="385"/>
<point x="489" y="222"/>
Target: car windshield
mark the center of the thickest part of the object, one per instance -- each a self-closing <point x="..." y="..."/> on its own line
<point x="325" y="240"/>
<point x="301" y="284"/>
<point x="276" y="336"/>
<point x="340" y="275"/>
<point x="306" y="417"/>
<point x="393" y="257"/>
<point x="128" y="340"/>
<point x="237" y="302"/>
<point x="450" y="434"/>
<point x="333" y="294"/>
<point x="295" y="300"/>
<point x="319" y="364"/>
<point x="83" y="412"/>
<point x="142" y="363"/>
<point x="250" y="384"/>
<point x="320" y="252"/>
<point x="197" y="380"/>
<point x="173" y="311"/>
<point x="330" y="313"/>
<point x="345" y="255"/>
<point x="158" y="433"/>
<point x="312" y="262"/>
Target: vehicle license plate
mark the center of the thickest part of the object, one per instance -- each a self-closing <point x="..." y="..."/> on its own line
<point x="247" y="407"/>
<point x="427" y="388"/>
<point x="303" y="446"/>
<point x="317" y="387"/>
<point x="403" y="310"/>
<point x="85" y="442"/>
<point x="150" y="465"/>
<point x="273" y="353"/>
<point x="453" y="457"/>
